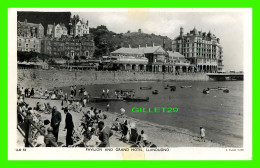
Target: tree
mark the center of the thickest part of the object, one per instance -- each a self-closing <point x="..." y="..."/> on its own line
<point x="75" y="19"/>
<point x="26" y="56"/>
<point x="102" y="27"/>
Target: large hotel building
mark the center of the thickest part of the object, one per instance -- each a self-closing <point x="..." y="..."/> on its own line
<point x="202" y="50"/>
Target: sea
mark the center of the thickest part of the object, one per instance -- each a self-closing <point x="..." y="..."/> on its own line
<point x="221" y="114"/>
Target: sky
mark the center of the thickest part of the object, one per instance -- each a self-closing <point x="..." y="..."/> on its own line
<point x="228" y="26"/>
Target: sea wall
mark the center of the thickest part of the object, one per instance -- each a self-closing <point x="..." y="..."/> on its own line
<point x="51" y="78"/>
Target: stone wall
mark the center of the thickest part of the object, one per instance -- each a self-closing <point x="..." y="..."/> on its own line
<point x="57" y="78"/>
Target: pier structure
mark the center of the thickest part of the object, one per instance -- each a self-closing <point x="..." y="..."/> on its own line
<point x="226" y="76"/>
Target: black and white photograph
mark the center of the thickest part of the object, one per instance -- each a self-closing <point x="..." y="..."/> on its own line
<point x="128" y="80"/>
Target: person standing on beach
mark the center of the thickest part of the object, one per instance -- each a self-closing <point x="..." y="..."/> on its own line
<point x="75" y="90"/>
<point x="26" y="92"/>
<point x="104" y="135"/>
<point x="108" y="105"/>
<point x="84" y="102"/>
<point x="22" y="93"/>
<point x="103" y="94"/>
<point x="69" y="125"/>
<point x="71" y="90"/>
<point x="107" y="93"/>
<point x="202" y="134"/>
<point x="32" y="92"/>
<point x="55" y="122"/>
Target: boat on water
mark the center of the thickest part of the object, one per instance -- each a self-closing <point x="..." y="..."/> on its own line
<point x="226" y="91"/>
<point x="222" y="88"/>
<point x="101" y="99"/>
<point x="213" y="89"/>
<point x="124" y="90"/>
<point x="136" y="99"/>
<point x="146" y="88"/>
<point x="186" y="86"/>
<point x="165" y="87"/>
<point x="205" y="91"/>
<point x="173" y="88"/>
<point x="155" y="92"/>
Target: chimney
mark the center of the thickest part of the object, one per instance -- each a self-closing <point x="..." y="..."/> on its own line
<point x="53" y="30"/>
<point x="129" y="46"/>
<point x="181" y="31"/>
<point x="164" y="43"/>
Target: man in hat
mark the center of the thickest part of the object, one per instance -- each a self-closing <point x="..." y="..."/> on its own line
<point x="55" y="122"/>
<point x="69" y="126"/>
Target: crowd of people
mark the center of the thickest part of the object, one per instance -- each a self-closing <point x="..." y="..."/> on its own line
<point x="49" y="129"/>
<point x="129" y="134"/>
<point x="91" y="132"/>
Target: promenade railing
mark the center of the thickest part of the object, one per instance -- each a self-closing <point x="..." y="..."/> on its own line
<point x="27" y="129"/>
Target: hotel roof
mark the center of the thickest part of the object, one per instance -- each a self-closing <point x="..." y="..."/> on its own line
<point x="175" y="55"/>
<point x="139" y="51"/>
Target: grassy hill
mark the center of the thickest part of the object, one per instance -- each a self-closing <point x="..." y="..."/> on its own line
<point x="107" y="41"/>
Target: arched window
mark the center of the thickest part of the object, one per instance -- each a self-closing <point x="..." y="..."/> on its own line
<point x="86" y="53"/>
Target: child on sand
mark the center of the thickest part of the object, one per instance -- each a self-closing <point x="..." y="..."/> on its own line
<point x="202" y="134"/>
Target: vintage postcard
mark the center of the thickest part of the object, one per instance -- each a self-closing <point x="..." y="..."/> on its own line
<point x="115" y="84"/>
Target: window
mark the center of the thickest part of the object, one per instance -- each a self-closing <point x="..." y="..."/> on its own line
<point x="26" y="45"/>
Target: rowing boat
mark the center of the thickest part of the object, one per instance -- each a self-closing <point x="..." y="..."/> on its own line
<point x="155" y="92"/>
<point x="222" y="88"/>
<point x="145" y="88"/>
<point x="205" y="91"/>
<point x="186" y="86"/>
<point x="100" y="99"/>
<point x="136" y="99"/>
